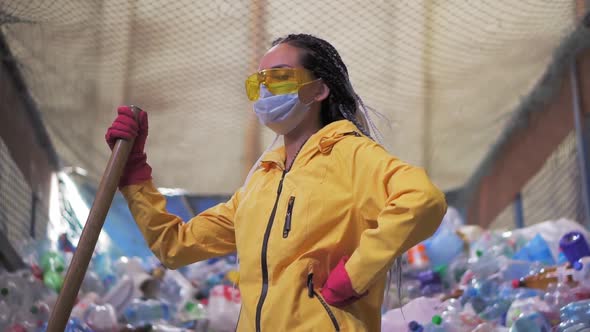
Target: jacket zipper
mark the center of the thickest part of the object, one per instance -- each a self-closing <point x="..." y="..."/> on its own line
<point x="287" y="226"/>
<point x="263" y="258"/>
<point x="239" y="316"/>
<point x="311" y="292"/>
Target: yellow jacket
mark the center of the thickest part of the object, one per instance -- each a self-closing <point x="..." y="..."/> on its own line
<point x="344" y="196"/>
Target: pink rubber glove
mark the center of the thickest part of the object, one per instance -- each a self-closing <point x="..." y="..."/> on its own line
<point x="337" y="290"/>
<point x="125" y="127"/>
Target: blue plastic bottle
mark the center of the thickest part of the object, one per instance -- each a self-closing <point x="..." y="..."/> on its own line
<point x="575" y="317"/>
<point x="140" y="312"/>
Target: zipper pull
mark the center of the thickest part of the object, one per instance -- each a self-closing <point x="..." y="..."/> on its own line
<point x="352" y="133"/>
<point x="310" y="290"/>
<point x="287" y="227"/>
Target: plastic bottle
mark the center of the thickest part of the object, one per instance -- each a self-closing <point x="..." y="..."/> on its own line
<point x="541" y="280"/>
<point x="83" y="304"/>
<point x="444" y="247"/>
<point x="513" y="269"/>
<point x="575" y="316"/>
<point x="101" y="318"/>
<point x="430" y="283"/>
<point x="581" y="271"/>
<point x="175" y="289"/>
<point x="73" y="325"/>
<point x="457" y="269"/>
<point x="558" y="296"/>
<point x="536" y="250"/>
<point x="121" y="294"/>
<point x="436" y="325"/>
<point x="92" y="283"/>
<point x="534" y="322"/>
<point x="192" y="311"/>
<point x="496" y="311"/>
<point x="417" y="257"/>
<point x="523" y="307"/>
<point x="144" y="312"/>
<point x="53" y="266"/>
<point x="13" y="291"/>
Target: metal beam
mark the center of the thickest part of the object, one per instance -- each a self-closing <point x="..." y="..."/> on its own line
<point x="252" y="144"/>
<point x="518" y="211"/>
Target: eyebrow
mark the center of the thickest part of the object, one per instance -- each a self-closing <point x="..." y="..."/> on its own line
<point x="281" y="66"/>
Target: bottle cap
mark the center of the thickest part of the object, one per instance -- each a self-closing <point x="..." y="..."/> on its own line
<point x="515" y="283"/>
<point x="578" y="266"/>
<point x="413" y="326"/>
<point x="478" y="253"/>
<point x="574" y="246"/>
<point x="436" y="320"/>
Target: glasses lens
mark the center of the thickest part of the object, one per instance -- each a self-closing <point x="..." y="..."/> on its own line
<point x="278" y="81"/>
<point x="253" y="87"/>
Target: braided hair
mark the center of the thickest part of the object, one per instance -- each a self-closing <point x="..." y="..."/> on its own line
<point x="322" y="59"/>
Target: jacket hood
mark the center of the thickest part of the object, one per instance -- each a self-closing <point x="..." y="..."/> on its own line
<point x="321" y="142"/>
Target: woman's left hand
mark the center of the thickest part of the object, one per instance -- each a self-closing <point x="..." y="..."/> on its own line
<point x="337" y="290"/>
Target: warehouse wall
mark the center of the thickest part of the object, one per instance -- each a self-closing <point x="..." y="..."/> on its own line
<point x="27" y="162"/>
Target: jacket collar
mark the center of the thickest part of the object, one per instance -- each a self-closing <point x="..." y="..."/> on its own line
<point x="322" y="141"/>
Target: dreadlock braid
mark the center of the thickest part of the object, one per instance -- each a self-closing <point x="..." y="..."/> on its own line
<point x="322" y="59"/>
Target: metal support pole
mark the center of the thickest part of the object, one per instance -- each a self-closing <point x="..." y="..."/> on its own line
<point x="518" y="211"/>
<point x="581" y="144"/>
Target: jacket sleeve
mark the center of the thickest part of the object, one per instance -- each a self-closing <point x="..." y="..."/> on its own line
<point x="173" y="241"/>
<point x="400" y="204"/>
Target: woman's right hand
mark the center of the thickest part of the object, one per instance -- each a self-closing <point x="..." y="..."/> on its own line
<point x="127" y="128"/>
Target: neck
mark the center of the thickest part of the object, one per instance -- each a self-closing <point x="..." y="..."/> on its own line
<point x="295" y="140"/>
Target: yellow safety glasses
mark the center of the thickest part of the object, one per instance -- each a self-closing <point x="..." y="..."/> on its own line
<point x="278" y="81"/>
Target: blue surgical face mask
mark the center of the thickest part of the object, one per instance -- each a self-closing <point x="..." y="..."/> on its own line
<point x="281" y="113"/>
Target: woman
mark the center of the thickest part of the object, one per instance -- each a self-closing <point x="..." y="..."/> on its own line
<point x="320" y="221"/>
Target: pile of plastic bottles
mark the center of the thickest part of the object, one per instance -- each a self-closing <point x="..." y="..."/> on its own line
<point x="127" y="294"/>
<point x="461" y="279"/>
<point x="466" y="279"/>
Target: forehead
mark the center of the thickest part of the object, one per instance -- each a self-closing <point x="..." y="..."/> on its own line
<point x="281" y="55"/>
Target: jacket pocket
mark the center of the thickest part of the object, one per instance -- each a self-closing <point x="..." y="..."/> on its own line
<point x="311" y="292"/>
<point x="288" y="217"/>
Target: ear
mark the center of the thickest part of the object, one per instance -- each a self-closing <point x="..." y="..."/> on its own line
<point x="315" y="91"/>
<point x="324" y="92"/>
